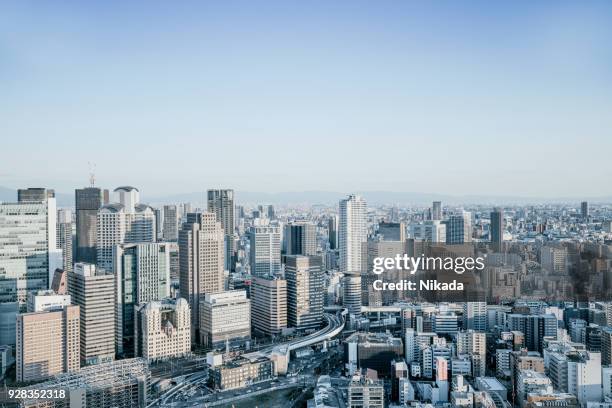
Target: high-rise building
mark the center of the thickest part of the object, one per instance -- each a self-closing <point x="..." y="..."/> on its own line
<point x="88" y="201"/>
<point x="534" y="327"/>
<point x="301" y="238"/>
<point x="430" y="231"/>
<point x="584" y="210"/>
<point x="142" y="274"/>
<point x="221" y="203"/>
<point x="269" y="305"/>
<point x="366" y="392"/>
<point x="475" y="316"/>
<point x="93" y="290"/>
<point x="473" y="344"/>
<point x="265" y="250"/>
<point x="352" y="233"/>
<point x="47" y="343"/>
<point x="164" y="330"/>
<point x="123" y="222"/>
<point x="201" y="261"/>
<point x="64" y="237"/>
<point x="392" y="231"/>
<point x="497" y="228"/>
<point x="304" y="276"/>
<point x="436" y="211"/>
<point x="28" y="245"/>
<point x="170" y="229"/>
<point x="225" y="319"/>
<point x="459" y="228"/>
<point x="47" y="300"/>
<point x="332" y="232"/>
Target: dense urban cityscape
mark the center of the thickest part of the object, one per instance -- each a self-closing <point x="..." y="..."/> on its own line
<point x="111" y="302"/>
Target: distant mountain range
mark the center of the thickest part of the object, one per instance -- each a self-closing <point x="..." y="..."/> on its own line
<point x="331" y="198"/>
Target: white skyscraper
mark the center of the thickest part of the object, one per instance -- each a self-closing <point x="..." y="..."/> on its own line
<point x="475" y="316"/>
<point x="353" y="232"/>
<point x="123" y="222"/>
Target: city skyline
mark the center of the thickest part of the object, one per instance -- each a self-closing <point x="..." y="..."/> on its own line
<point x="337" y="97"/>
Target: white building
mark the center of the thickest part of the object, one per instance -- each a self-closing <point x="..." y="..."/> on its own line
<point x="265" y="250"/>
<point x="584" y="378"/>
<point x="46" y="300"/>
<point x="123" y="222"/>
<point x="529" y="381"/>
<point x="225" y="317"/>
<point x="164" y="330"/>
<point x="353" y="232"/>
<point x="475" y="316"/>
<point x="430" y="230"/>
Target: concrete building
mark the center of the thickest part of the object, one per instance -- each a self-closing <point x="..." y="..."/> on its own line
<point x="265" y="250"/>
<point x="304" y="276"/>
<point x="87" y="201"/>
<point x="225" y="319"/>
<point x="221" y="203"/>
<point x="497" y="228"/>
<point x="300" y="238"/>
<point x="474" y="344"/>
<point x="46" y="300"/>
<point x="475" y="316"/>
<point x="242" y="372"/>
<point x="436" y="211"/>
<point x="392" y="231"/>
<point x="170" y="225"/>
<point x="93" y="290"/>
<point x="375" y="351"/>
<point x="352" y="233"/>
<point x="124" y="222"/>
<point x="47" y="343"/>
<point x="142" y="274"/>
<point x="459" y="228"/>
<point x="366" y="392"/>
<point x="268" y="305"/>
<point x="64" y="237"/>
<point x="119" y="384"/>
<point x="429" y="230"/>
<point x="201" y="257"/>
<point x="529" y="381"/>
<point x="164" y="330"/>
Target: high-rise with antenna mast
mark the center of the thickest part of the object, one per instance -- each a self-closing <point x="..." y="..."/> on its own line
<point x="88" y="201"/>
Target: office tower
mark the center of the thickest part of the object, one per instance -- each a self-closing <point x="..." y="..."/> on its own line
<point x="430" y="231"/>
<point x="459" y="228"/>
<point x="123" y="222"/>
<point x="497" y="228"/>
<point x="27" y="228"/>
<point x="301" y="238"/>
<point x="351" y="293"/>
<point x="120" y="384"/>
<point x="47" y="343"/>
<point x="201" y="261"/>
<point x="221" y="203"/>
<point x="225" y="319"/>
<point x="163" y="330"/>
<point x="87" y="201"/>
<point x="265" y="250"/>
<point x="93" y="290"/>
<point x="332" y="232"/>
<point x="64" y="237"/>
<point x="269" y="305"/>
<point x="584" y="210"/>
<point x="159" y="223"/>
<point x="352" y="233"/>
<point x="170" y="230"/>
<point x="304" y="276"/>
<point x="175" y="266"/>
<point x="392" y="231"/>
<point x="436" y="211"/>
<point x="47" y="300"/>
<point x="142" y="274"/>
<point x="534" y="327"/>
<point x="474" y="344"/>
<point x="475" y="316"/>
<point x="375" y="351"/>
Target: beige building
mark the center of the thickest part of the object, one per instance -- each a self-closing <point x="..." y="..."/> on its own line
<point x="243" y="372"/>
<point x="47" y="343"/>
<point x="225" y="318"/>
<point x="268" y="305"/>
<point x="94" y="291"/>
<point x="164" y="330"/>
<point x="201" y="261"/>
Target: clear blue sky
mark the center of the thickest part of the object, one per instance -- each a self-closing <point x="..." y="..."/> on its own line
<point x="444" y="97"/>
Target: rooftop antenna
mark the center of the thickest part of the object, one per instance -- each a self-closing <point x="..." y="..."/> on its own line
<point x="92" y="173"/>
